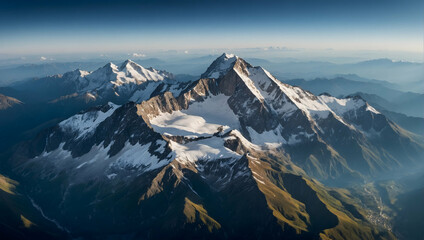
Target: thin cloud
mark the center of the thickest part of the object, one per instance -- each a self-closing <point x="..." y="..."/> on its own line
<point x="138" y="55"/>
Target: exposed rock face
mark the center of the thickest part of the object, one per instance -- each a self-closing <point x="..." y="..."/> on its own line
<point x="231" y="155"/>
<point x="8" y="102"/>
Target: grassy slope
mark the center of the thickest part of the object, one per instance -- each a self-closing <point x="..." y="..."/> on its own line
<point x="18" y="219"/>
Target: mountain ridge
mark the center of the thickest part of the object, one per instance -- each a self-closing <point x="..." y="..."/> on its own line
<point x="8" y="102"/>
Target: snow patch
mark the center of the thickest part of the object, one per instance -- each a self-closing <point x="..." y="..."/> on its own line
<point x="205" y="149"/>
<point x="342" y="106"/>
<point x="371" y="109"/>
<point x="223" y="64"/>
<point x="85" y="124"/>
<point x="111" y="176"/>
<point x="136" y="156"/>
<point x="270" y="139"/>
<point x="200" y="119"/>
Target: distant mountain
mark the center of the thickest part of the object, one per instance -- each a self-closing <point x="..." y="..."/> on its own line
<point x="355" y="77"/>
<point x="106" y="82"/>
<point x="377" y="101"/>
<point x="373" y="63"/>
<point x="14" y="74"/>
<point x="50" y="99"/>
<point x="411" y="104"/>
<point x="234" y="154"/>
<point x="412" y="124"/>
<point x="405" y="75"/>
<point x="408" y="103"/>
<point x="342" y="86"/>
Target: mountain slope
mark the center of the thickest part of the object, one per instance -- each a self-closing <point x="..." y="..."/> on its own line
<point x="8" y="102"/>
<point x="412" y="124"/>
<point x="19" y="219"/>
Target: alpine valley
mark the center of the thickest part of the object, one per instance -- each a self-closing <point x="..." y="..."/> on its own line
<point x="127" y="152"/>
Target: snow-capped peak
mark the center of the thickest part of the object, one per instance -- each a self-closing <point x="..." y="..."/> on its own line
<point x="101" y="76"/>
<point x="111" y="65"/>
<point x="74" y="75"/>
<point x="138" y="73"/>
<point x="104" y="72"/>
<point x="110" y="76"/>
<point x="228" y="55"/>
<point x="77" y="78"/>
<point x="128" y="61"/>
<point x="220" y="66"/>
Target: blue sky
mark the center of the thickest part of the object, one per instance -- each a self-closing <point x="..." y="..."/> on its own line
<point x="49" y="27"/>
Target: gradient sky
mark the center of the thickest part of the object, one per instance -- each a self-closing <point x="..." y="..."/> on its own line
<point x="46" y="27"/>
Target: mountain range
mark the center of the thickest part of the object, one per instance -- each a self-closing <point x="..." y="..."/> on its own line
<point x="406" y="76"/>
<point x="46" y="100"/>
<point x="404" y="108"/>
<point x="234" y="154"/>
<point x="379" y="93"/>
